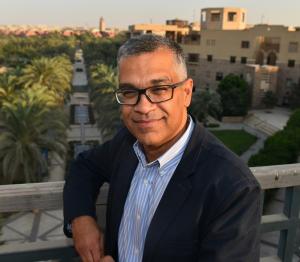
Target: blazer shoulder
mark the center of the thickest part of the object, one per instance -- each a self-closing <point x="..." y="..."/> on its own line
<point x="224" y="164"/>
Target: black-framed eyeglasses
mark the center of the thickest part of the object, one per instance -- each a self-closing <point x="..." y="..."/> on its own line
<point x="154" y="94"/>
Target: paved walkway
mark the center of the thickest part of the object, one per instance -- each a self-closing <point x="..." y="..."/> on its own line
<point x="277" y="116"/>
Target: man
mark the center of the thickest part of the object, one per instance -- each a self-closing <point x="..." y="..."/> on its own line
<point x="176" y="193"/>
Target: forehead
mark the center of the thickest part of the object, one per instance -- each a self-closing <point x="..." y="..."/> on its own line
<point x="146" y="66"/>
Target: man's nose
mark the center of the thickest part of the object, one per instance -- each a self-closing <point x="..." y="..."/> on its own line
<point x="144" y="104"/>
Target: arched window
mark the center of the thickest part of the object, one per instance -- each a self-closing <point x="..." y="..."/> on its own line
<point x="259" y="58"/>
<point x="271" y="59"/>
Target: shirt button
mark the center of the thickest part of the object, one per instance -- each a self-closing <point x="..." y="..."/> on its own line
<point x="146" y="182"/>
<point x="136" y="251"/>
<point x="138" y="216"/>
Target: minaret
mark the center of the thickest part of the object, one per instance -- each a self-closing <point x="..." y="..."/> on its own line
<point x="102" y="24"/>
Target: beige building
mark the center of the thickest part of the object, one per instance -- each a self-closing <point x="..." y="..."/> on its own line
<point x="174" y="29"/>
<point x="266" y="56"/>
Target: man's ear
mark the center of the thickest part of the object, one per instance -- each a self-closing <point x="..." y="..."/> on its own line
<point x="188" y="91"/>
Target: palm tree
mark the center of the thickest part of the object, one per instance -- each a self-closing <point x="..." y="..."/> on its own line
<point x="32" y="126"/>
<point x="7" y="87"/>
<point x="54" y="73"/>
<point x="104" y="83"/>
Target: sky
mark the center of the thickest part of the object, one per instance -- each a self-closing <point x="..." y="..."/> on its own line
<point x="121" y="13"/>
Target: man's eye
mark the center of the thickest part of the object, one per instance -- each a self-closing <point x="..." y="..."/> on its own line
<point x="159" y="90"/>
<point x="129" y="93"/>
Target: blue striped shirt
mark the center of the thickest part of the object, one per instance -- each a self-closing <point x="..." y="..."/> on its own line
<point x="147" y="187"/>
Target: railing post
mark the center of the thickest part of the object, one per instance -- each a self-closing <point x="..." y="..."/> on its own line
<point x="288" y="237"/>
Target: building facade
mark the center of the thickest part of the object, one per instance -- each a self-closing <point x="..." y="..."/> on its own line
<point x="266" y="56"/>
<point x="174" y="29"/>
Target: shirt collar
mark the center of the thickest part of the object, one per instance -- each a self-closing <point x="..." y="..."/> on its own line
<point x="171" y="153"/>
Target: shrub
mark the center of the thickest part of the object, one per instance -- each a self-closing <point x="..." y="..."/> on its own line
<point x="281" y="148"/>
<point x="234" y="95"/>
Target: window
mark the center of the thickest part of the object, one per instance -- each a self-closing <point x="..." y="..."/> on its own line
<point x="203" y="16"/>
<point x="195" y="38"/>
<point x="289" y="82"/>
<point x="271" y="44"/>
<point x="293" y="47"/>
<point x="232" y="59"/>
<point x="194" y="58"/>
<point x="215" y="17"/>
<point x="291" y="63"/>
<point x="79" y="70"/>
<point x="219" y="76"/>
<point x="232" y="16"/>
<point x="243" y="60"/>
<point x="149" y="32"/>
<point x="245" y="44"/>
<point x="210" y="42"/>
<point x="243" y="17"/>
<point x="209" y="58"/>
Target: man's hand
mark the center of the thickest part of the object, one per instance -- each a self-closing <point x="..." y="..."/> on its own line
<point x="88" y="240"/>
<point x="107" y="259"/>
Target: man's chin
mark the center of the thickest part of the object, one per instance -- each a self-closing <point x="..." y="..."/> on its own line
<point x="148" y="140"/>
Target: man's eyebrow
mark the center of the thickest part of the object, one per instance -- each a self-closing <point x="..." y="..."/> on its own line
<point x="160" y="81"/>
<point x="126" y="86"/>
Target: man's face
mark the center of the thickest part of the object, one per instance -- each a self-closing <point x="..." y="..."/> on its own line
<point x="155" y="124"/>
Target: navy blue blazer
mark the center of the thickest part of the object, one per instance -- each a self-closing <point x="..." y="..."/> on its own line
<point x="210" y="210"/>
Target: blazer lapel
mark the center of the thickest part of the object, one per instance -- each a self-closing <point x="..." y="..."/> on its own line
<point x="121" y="185"/>
<point x="170" y="204"/>
<point x="175" y="194"/>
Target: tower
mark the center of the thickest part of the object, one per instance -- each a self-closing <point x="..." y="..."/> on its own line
<point x="102" y="25"/>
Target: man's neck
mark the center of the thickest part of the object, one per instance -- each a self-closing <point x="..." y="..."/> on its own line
<point x="152" y="153"/>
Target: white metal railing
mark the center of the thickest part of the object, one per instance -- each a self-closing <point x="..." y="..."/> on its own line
<point x="45" y="196"/>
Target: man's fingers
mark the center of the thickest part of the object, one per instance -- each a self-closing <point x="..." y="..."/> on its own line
<point x="101" y="245"/>
<point x="96" y="254"/>
<point x="87" y="238"/>
<point x="107" y="259"/>
<point x="86" y="257"/>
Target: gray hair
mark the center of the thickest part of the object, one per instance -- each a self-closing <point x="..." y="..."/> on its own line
<point x="149" y="43"/>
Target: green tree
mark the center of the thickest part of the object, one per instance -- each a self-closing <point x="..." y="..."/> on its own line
<point x="31" y="125"/>
<point x="101" y="50"/>
<point x="54" y="73"/>
<point x="19" y="51"/>
<point x="104" y="83"/>
<point x="206" y="103"/>
<point x="234" y="96"/>
<point x="8" y="85"/>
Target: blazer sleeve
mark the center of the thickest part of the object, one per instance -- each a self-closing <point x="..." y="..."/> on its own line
<point x="86" y="175"/>
<point x="233" y="233"/>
